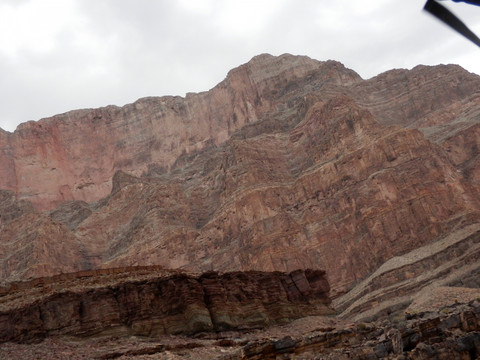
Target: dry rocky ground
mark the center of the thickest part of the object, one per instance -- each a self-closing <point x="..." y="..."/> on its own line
<point x="440" y="323"/>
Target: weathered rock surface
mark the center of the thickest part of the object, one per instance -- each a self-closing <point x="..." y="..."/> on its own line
<point x="11" y="208"/>
<point x="443" y="102"/>
<point x="451" y="261"/>
<point x="453" y="332"/>
<point x="73" y="156"/>
<point x="337" y="183"/>
<point x="153" y="301"/>
<point x="289" y="163"/>
<point x="33" y="244"/>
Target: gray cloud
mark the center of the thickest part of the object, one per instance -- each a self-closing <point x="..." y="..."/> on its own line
<point x="95" y="53"/>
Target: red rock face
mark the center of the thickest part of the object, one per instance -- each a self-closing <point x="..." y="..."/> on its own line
<point x="73" y="156"/>
<point x="289" y="163"/>
<point x="335" y="186"/>
<point x="33" y="244"/>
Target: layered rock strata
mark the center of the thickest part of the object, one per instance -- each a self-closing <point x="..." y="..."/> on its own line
<point x="332" y="187"/>
<point x="452" y="261"/>
<point x="73" y="156"/>
<point x="153" y="301"/>
<point x="450" y="332"/>
<point x="289" y="163"/>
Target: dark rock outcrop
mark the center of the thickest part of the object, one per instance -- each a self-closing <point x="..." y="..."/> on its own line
<point x="153" y="301"/>
<point x="451" y="332"/>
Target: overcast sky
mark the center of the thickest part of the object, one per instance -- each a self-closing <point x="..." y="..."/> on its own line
<point x="60" y="55"/>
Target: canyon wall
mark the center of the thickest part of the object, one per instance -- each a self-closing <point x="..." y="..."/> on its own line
<point x="289" y="163"/>
<point x="73" y="156"/>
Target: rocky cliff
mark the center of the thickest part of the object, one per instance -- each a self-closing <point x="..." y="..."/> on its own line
<point x="73" y="156"/>
<point x="446" y="332"/>
<point x="289" y="163"/>
<point x="153" y="301"/>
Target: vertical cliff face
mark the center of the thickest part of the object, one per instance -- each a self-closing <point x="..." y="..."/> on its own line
<point x="288" y="163"/>
<point x="73" y="156"/>
<point x="153" y="302"/>
<point x="335" y="186"/>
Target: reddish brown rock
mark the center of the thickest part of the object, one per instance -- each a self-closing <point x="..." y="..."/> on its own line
<point x="424" y="97"/>
<point x="151" y="302"/>
<point x="331" y="188"/>
<point x="451" y="333"/>
<point x="33" y="244"/>
<point x="452" y="261"/>
<point x="11" y="208"/>
<point x="73" y="156"/>
<point x="463" y="148"/>
<point x="289" y="163"/>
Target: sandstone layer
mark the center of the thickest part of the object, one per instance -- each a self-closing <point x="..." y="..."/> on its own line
<point x="154" y="301"/>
